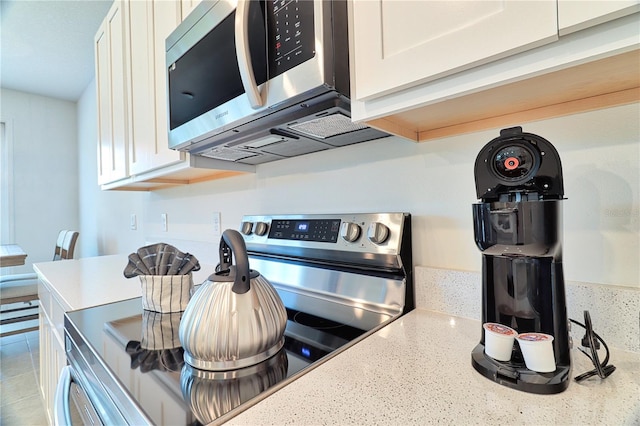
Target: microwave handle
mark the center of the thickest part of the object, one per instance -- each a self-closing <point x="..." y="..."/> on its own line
<point x="244" y="56"/>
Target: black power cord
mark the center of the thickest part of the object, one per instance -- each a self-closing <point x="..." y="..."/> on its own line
<point x="592" y="341"/>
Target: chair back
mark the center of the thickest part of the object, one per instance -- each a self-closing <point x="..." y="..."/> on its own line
<point x="65" y="245"/>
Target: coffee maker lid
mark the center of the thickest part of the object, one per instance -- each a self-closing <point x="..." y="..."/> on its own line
<point x="518" y="163"/>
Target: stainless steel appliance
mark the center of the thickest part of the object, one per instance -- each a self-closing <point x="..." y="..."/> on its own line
<point x="340" y="277"/>
<point x="518" y="228"/>
<point x="258" y="81"/>
<point x="247" y="325"/>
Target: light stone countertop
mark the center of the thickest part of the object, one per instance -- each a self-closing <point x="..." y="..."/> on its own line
<point x="418" y="371"/>
<point x="93" y="281"/>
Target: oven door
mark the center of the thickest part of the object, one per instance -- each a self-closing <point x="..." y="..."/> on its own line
<point x="72" y="405"/>
<point x="86" y="389"/>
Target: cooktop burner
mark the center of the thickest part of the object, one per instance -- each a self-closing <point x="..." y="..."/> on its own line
<point x="340" y="330"/>
<point x="315" y="322"/>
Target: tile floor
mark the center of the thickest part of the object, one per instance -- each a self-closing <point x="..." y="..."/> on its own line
<point x="20" y="400"/>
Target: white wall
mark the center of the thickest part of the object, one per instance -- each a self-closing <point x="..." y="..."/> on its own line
<point x="101" y="213"/>
<point x="600" y="152"/>
<point x="45" y="166"/>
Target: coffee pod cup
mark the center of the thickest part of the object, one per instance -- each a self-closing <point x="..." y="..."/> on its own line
<point x="537" y="350"/>
<point x="498" y="340"/>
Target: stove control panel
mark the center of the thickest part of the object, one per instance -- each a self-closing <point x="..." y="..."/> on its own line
<point x="318" y="230"/>
<point x="362" y="233"/>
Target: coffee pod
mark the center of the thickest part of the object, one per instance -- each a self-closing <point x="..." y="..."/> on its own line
<point x="537" y="350"/>
<point x="498" y="340"/>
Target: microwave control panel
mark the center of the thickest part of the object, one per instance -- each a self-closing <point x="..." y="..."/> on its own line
<point x="291" y="34"/>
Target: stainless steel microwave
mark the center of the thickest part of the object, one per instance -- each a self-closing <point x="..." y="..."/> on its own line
<point x="257" y="81"/>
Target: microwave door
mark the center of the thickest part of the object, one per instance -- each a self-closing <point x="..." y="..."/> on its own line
<point x="204" y="83"/>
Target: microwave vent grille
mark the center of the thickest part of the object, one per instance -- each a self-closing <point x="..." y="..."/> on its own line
<point x="327" y="126"/>
<point x="228" y="154"/>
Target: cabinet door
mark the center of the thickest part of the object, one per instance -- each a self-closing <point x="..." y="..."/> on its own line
<point x="150" y="24"/>
<point x="112" y="96"/>
<point x="103" y="88"/>
<point x="142" y="110"/>
<point x="574" y="15"/>
<point x="47" y="376"/>
<point x="401" y="43"/>
<point x="166" y="17"/>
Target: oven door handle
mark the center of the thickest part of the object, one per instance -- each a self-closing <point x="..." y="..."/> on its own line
<point x="61" y="413"/>
<point x="243" y="54"/>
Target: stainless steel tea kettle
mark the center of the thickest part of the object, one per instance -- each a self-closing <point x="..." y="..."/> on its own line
<point x="236" y="318"/>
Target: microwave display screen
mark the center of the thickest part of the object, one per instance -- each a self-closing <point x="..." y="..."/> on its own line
<point x="291" y="34"/>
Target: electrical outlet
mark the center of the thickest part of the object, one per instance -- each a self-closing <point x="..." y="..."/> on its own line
<point x="163" y="216"/>
<point x="216" y="223"/>
<point x="134" y="223"/>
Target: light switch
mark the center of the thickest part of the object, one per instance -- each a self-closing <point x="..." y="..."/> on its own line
<point x="134" y="224"/>
<point x="164" y="221"/>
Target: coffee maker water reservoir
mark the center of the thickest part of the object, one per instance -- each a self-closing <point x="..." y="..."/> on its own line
<point x="518" y="229"/>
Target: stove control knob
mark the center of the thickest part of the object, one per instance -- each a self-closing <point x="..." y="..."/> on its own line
<point x="261" y="228"/>
<point x="377" y="233"/>
<point x="246" y="228"/>
<point x="350" y="231"/>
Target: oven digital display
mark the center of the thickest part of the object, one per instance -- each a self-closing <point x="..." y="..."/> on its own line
<point x="319" y="230"/>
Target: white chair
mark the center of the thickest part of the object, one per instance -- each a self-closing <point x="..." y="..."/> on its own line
<point x="23" y="288"/>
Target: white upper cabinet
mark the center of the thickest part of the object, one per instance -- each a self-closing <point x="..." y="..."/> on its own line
<point x="401" y="43"/>
<point x="430" y="69"/>
<point x="575" y="15"/>
<point x="150" y="24"/>
<point x="133" y="148"/>
<point x="111" y="92"/>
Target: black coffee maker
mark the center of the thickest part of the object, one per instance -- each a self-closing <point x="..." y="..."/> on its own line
<point x="518" y="228"/>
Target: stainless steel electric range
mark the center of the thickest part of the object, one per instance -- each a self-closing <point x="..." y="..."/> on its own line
<point x="340" y="276"/>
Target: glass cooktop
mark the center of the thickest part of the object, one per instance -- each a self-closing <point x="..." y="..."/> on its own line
<point x="142" y="351"/>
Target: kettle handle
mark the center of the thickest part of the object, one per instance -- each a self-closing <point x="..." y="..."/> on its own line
<point x="225" y="257"/>
<point x="233" y="243"/>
